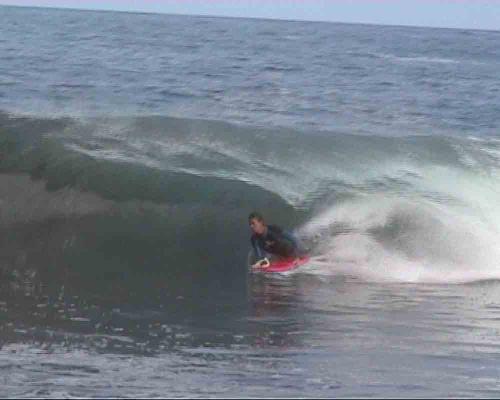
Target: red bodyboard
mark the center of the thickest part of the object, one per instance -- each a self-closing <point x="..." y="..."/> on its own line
<point x="285" y="265"/>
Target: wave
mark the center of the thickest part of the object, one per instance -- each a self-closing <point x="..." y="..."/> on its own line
<point x="401" y="240"/>
<point x="409" y="59"/>
<point x="424" y="59"/>
<point x="119" y="197"/>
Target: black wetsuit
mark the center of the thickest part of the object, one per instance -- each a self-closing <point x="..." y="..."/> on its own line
<point x="275" y="242"/>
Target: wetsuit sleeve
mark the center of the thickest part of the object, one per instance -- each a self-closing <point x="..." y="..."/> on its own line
<point x="288" y="236"/>
<point x="257" y="250"/>
<point x="285" y="243"/>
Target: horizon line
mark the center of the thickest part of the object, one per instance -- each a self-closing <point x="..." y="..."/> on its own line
<point x="241" y="17"/>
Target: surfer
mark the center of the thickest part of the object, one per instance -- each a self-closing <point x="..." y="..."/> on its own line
<point x="270" y="240"/>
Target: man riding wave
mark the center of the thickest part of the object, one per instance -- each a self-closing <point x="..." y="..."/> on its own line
<point x="270" y="241"/>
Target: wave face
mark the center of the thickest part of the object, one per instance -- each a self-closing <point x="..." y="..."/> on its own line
<point x="114" y="197"/>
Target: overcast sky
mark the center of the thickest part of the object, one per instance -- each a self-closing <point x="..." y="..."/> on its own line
<point x="478" y="14"/>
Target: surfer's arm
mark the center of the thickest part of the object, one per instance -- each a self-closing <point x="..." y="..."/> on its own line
<point x="260" y="257"/>
<point x="257" y="250"/>
<point x="289" y="237"/>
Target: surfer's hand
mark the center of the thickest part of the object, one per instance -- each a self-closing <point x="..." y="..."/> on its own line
<point x="264" y="263"/>
<point x="256" y="265"/>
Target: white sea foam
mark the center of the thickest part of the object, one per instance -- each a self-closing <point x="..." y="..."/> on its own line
<point x="448" y="230"/>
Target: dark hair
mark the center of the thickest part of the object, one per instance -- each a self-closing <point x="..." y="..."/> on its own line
<point x="256" y="215"/>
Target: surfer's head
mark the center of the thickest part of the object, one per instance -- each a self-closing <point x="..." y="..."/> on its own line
<point x="257" y="223"/>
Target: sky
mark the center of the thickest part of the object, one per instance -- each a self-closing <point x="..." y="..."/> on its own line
<point x="474" y="14"/>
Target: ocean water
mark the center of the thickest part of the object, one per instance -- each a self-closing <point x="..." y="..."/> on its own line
<point x="133" y="147"/>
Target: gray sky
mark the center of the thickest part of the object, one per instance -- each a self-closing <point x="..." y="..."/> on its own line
<point x="478" y="14"/>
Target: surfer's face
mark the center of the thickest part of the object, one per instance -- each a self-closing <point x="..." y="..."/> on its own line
<point x="257" y="226"/>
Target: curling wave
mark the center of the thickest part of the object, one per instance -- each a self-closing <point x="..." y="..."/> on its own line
<point x="115" y="197"/>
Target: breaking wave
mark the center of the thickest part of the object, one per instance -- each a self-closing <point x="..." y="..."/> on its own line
<point x="118" y="197"/>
